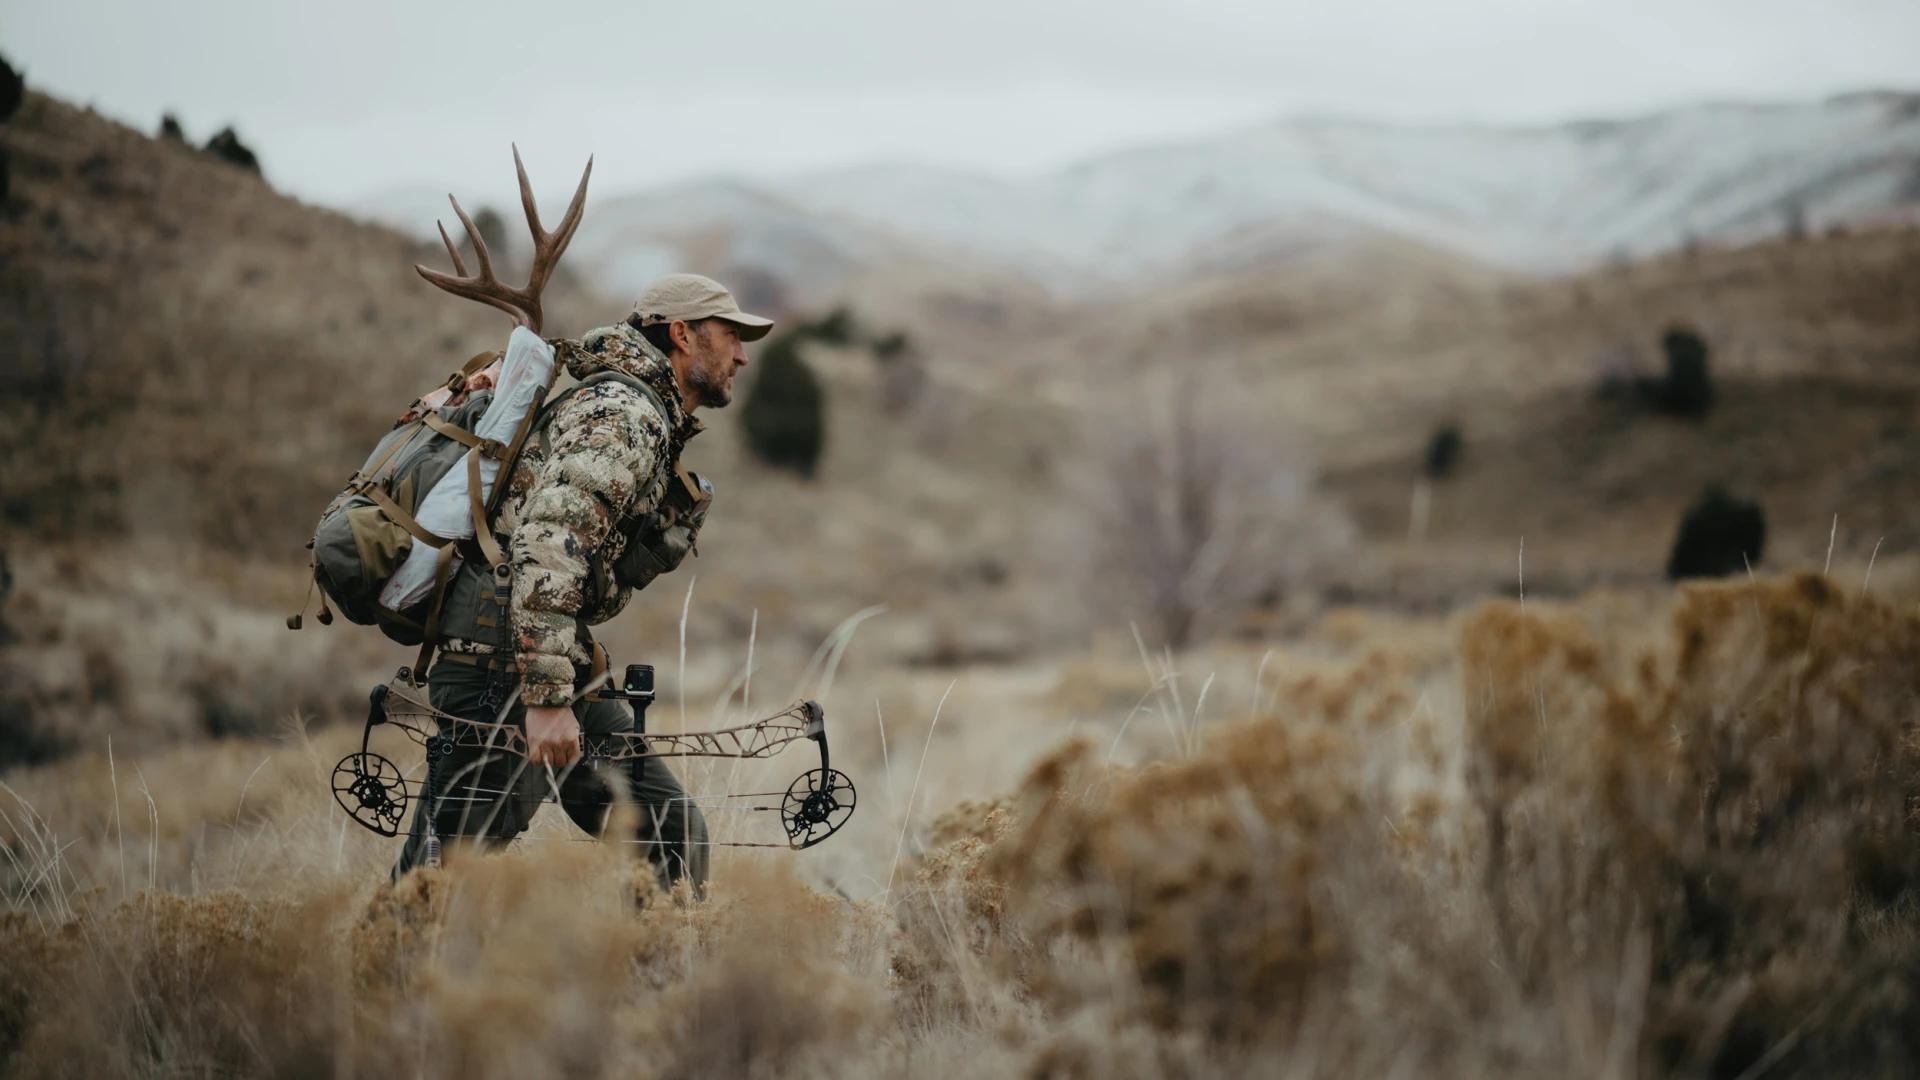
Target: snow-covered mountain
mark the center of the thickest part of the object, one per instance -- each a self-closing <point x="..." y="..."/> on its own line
<point x="1533" y="198"/>
<point x="1529" y="198"/>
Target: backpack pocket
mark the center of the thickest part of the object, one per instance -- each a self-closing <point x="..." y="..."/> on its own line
<point x="381" y="542"/>
<point x="355" y="550"/>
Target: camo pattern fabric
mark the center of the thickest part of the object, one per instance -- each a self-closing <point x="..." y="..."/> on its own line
<point x="572" y="504"/>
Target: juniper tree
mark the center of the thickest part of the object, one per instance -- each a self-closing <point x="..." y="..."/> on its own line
<point x="784" y="416"/>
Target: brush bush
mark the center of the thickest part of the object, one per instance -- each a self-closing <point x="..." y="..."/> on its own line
<point x="13" y="89"/>
<point x="1443" y="452"/>
<point x="784" y="417"/>
<point x="1719" y="535"/>
<point x="1687" y="388"/>
<point x="226" y="146"/>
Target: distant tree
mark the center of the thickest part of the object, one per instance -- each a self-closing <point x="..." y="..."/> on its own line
<point x="226" y="146"/>
<point x="170" y="128"/>
<point x="493" y="230"/>
<point x="1443" y="451"/>
<point x="1687" y="389"/>
<point x="836" y="327"/>
<point x="3" y="175"/>
<point x="890" y="347"/>
<point x="13" y="89"/>
<point x="784" y="416"/>
<point x="1719" y="535"/>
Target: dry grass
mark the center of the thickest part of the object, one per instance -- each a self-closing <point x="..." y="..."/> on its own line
<point x="1631" y="836"/>
<point x="139" y="642"/>
<point x="1685" y="847"/>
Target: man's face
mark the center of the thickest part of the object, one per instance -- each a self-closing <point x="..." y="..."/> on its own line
<point x="714" y="354"/>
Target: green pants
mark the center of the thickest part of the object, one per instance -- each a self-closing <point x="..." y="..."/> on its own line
<point x="488" y="797"/>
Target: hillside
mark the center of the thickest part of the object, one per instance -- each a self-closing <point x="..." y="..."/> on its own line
<point x="202" y="363"/>
<point x="1815" y="350"/>
<point x="178" y="418"/>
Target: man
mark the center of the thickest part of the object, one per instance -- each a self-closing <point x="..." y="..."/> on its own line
<point x="584" y="502"/>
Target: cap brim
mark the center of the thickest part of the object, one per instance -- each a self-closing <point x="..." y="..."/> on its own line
<point x="752" y="327"/>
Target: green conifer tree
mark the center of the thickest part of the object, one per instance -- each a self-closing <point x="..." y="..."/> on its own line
<point x="784" y="417"/>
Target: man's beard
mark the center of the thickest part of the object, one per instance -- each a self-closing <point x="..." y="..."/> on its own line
<point x="709" y="388"/>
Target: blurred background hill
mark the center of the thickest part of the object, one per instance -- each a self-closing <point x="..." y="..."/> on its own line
<point x="202" y="361"/>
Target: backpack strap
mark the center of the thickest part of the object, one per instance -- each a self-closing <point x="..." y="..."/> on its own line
<point x="430" y="639"/>
<point x="477" y="508"/>
<point x="512" y="457"/>
<point x="637" y="383"/>
<point x="482" y="513"/>
<point x="405" y="520"/>
<point x="546" y="403"/>
<point x="509" y="456"/>
<point x="490" y="447"/>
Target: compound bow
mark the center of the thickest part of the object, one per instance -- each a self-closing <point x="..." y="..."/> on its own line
<point x="374" y="793"/>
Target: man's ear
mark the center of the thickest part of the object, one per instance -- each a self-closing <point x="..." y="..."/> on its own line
<point x="681" y="335"/>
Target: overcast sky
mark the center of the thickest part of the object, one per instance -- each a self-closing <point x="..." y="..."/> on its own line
<point x="345" y="98"/>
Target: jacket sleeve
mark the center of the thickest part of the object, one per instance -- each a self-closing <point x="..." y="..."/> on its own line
<point x="606" y="442"/>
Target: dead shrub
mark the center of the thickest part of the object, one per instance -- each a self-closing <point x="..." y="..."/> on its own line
<point x="1194" y="881"/>
<point x="1739" y="790"/>
<point x="220" y="984"/>
<point x="1199" y="510"/>
<point x="1682" y="844"/>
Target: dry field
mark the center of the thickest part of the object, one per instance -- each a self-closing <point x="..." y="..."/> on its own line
<point x="1372" y="822"/>
<point x="1635" y="835"/>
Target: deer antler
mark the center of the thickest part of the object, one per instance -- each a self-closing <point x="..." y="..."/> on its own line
<point x="522" y="303"/>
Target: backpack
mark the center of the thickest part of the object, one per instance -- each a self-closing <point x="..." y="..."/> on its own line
<point x="368" y="528"/>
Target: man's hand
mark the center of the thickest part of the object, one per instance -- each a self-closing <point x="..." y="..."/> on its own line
<point x="553" y="736"/>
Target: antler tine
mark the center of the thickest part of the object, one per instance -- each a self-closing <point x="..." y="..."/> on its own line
<point x="521" y="303"/>
<point x="526" y="197"/>
<point x="452" y="252"/>
<point x="552" y="245"/>
<point x="472" y="289"/>
<point x="575" y="209"/>
<point x="480" y="251"/>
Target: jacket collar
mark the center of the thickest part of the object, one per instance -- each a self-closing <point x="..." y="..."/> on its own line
<point x="621" y="348"/>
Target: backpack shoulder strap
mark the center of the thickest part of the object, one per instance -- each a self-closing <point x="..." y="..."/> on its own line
<point x="560" y="394"/>
<point x="538" y="418"/>
<point x="537" y="421"/>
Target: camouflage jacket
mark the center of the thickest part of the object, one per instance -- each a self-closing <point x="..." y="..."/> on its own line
<point x="575" y="499"/>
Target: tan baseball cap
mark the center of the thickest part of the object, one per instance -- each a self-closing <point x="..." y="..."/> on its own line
<point x="693" y="296"/>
